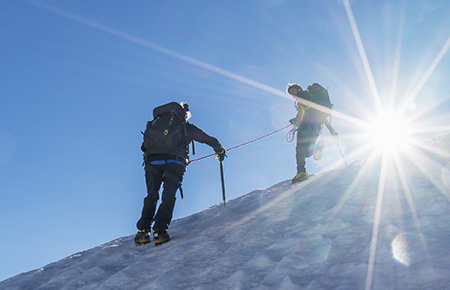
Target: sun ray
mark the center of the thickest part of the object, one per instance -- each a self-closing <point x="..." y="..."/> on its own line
<point x="187" y="59"/>
<point x="361" y="150"/>
<point x="259" y="210"/>
<point x="396" y="68"/>
<point x="335" y="113"/>
<point x="418" y="159"/>
<point x="349" y="93"/>
<point x="364" y="59"/>
<point x="350" y="189"/>
<point x="161" y="49"/>
<point x="428" y="109"/>
<point x="409" y="200"/>
<point x="376" y="222"/>
<point x="431" y="129"/>
<point x="425" y="77"/>
<point x="431" y="149"/>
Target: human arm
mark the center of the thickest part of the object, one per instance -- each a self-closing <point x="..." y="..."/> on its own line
<point x="297" y="121"/>
<point x="331" y="129"/>
<point x="194" y="133"/>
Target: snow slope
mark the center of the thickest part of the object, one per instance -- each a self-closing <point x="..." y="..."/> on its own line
<point x="323" y="233"/>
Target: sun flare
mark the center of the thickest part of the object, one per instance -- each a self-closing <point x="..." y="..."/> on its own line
<point x="389" y="134"/>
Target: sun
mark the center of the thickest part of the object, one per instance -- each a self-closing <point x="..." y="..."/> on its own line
<point x="389" y="134"/>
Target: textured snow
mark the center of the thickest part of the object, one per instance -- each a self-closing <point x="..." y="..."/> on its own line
<point x="312" y="235"/>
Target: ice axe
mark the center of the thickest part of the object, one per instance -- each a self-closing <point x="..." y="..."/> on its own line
<point x="223" y="182"/>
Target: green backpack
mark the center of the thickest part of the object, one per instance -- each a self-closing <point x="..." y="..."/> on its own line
<point x="320" y="96"/>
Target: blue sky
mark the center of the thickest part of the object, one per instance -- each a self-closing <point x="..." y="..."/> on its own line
<point x="79" y="80"/>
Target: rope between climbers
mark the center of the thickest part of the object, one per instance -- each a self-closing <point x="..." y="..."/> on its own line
<point x="243" y="144"/>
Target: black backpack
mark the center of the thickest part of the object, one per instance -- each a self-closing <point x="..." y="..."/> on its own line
<point x="164" y="133"/>
<point x="320" y="96"/>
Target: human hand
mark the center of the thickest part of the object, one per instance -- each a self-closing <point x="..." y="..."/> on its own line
<point x="294" y="122"/>
<point x="221" y="155"/>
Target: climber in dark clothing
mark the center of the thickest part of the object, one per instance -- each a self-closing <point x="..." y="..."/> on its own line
<point x="165" y="163"/>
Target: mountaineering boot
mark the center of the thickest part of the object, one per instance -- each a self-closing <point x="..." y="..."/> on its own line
<point x="160" y="237"/>
<point x="142" y="237"/>
<point x="318" y="149"/>
<point x="300" y="177"/>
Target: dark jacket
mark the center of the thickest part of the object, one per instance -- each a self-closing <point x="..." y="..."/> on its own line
<point x="192" y="133"/>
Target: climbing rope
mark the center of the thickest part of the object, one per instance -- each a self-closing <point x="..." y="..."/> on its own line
<point x="290" y="136"/>
<point x="243" y="144"/>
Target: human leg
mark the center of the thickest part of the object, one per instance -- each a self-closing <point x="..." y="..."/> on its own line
<point x="306" y="138"/>
<point x="153" y="179"/>
<point x="172" y="178"/>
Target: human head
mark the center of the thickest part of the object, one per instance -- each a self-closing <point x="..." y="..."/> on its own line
<point x="186" y="109"/>
<point x="293" y="89"/>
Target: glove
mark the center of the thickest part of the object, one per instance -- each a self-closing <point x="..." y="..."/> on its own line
<point x="335" y="136"/>
<point x="221" y="155"/>
<point x="294" y="122"/>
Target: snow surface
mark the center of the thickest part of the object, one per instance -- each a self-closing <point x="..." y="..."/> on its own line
<point x="318" y="234"/>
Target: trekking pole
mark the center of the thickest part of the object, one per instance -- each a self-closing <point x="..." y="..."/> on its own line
<point x="223" y="182"/>
<point x="342" y="151"/>
<point x="336" y="139"/>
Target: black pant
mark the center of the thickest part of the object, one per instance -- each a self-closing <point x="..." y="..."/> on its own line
<point x="307" y="135"/>
<point x="171" y="174"/>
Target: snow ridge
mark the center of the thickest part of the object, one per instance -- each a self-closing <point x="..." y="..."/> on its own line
<point x="312" y="235"/>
